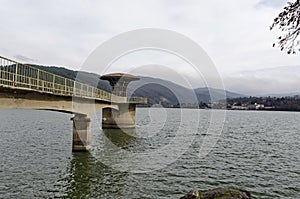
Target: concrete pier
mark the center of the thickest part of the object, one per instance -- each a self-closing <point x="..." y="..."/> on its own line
<point x="123" y="118"/>
<point x="81" y="133"/>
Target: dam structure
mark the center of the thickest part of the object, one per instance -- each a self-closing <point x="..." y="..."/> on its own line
<point x="24" y="86"/>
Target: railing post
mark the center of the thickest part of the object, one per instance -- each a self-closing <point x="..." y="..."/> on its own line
<point x="65" y="86"/>
<point x="53" y="86"/>
<point x="15" y="75"/>
<point x="38" y="79"/>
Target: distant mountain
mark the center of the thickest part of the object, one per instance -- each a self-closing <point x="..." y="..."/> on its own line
<point x="163" y="92"/>
<point x="167" y="93"/>
<point x="157" y="91"/>
<point x="217" y="93"/>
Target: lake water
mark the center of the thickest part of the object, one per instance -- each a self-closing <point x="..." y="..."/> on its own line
<point x="257" y="151"/>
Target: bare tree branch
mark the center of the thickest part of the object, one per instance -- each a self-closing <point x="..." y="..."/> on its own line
<point x="288" y="21"/>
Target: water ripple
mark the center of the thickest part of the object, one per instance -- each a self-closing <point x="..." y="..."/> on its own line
<point x="258" y="151"/>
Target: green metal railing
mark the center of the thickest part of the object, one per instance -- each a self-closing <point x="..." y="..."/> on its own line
<point x="17" y="75"/>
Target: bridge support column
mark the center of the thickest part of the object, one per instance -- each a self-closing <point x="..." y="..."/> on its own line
<point x="81" y="133"/>
<point x="118" y="119"/>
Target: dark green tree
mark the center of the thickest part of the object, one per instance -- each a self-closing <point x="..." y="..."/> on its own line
<point x="288" y="21"/>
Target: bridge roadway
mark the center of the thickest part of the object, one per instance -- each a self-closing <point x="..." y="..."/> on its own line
<point x="26" y="87"/>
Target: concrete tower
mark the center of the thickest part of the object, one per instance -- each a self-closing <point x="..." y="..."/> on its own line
<point x="124" y="117"/>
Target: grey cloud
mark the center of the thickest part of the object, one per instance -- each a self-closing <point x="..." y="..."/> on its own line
<point x="265" y="81"/>
<point x="234" y="33"/>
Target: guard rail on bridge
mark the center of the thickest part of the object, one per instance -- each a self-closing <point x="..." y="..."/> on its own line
<point x="22" y="76"/>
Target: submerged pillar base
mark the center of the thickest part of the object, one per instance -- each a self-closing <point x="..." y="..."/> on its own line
<point x="81" y="133"/>
<point x="118" y="126"/>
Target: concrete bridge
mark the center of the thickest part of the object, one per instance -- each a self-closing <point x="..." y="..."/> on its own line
<point x="26" y="87"/>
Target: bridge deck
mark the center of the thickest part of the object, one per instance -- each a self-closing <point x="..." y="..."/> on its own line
<point x="22" y="76"/>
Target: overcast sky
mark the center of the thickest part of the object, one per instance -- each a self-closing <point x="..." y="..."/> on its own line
<point x="234" y="33"/>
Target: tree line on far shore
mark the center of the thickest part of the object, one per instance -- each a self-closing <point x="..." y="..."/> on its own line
<point x="288" y="103"/>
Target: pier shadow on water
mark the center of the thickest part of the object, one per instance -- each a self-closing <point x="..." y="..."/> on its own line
<point x="125" y="140"/>
<point x="89" y="178"/>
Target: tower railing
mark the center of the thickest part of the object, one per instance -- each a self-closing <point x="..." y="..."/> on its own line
<point x="23" y="76"/>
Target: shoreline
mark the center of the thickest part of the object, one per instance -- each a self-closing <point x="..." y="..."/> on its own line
<point x="260" y="110"/>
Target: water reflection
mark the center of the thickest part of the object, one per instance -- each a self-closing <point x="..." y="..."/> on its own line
<point x="89" y="178"/>
<point x="79" y="180"/>
<point x="121" y="139"/>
